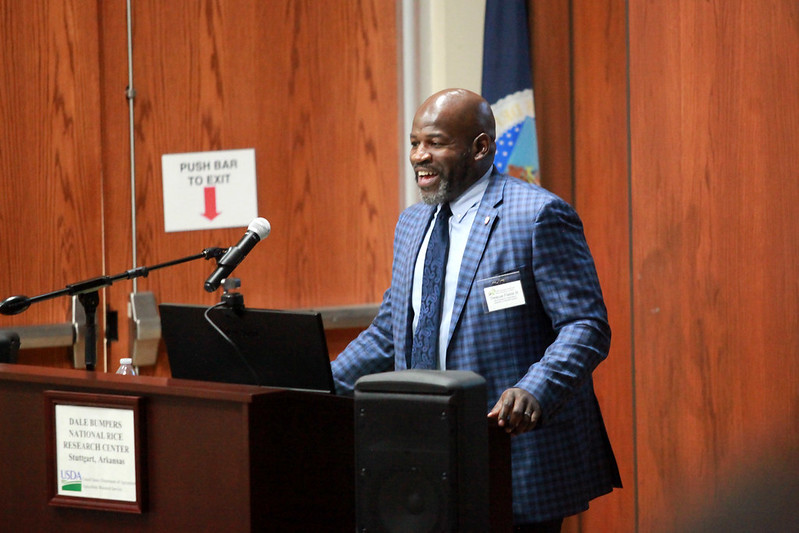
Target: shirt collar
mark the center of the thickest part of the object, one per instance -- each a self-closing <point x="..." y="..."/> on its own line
<point x="470" y="198"/>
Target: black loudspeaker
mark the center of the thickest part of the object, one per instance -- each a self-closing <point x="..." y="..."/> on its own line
<point x="421" y="452"/>
<point x="9" y="346"/>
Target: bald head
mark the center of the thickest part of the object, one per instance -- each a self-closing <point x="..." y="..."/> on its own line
<point x="468" y="111"/>
<point x="452" y="143"/>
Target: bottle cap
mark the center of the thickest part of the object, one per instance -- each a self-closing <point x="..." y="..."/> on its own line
<point x="126" y="361"/>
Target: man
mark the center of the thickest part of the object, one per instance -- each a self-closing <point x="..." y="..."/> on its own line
<point x="521" y="306"/>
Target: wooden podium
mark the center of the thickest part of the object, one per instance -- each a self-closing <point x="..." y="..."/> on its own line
<point x="217" y="457"/>
<point x="214" y="456"/>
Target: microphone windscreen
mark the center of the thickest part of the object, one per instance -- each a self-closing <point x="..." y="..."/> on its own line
<point x="261" y="227"/>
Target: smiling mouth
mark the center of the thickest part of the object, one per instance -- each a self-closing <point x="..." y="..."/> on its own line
<point x="426" y="178"/>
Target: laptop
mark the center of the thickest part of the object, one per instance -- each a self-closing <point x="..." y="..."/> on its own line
<point x="269" y="348"/>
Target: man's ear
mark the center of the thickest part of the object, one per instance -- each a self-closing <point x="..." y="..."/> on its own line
<point x="482" y="146"/>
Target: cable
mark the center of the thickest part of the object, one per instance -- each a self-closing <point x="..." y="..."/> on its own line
<point x="227" y="339"/>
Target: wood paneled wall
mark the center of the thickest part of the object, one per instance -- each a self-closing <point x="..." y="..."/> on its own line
<point x="580" y="73"/>
<point x="601" y="197"/>
<point x="312" y="86"/>
<point x="50" y="157"/>
<point x="683" y="163"/>
<point x="714" y="115"/>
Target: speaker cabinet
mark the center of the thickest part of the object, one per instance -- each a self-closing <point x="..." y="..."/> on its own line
<point x="421" y="452"/>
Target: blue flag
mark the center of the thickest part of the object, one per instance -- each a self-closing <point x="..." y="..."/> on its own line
<point x="508" y="86"/>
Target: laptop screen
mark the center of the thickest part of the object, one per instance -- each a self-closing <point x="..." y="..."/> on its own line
<point x="284" y="349"/>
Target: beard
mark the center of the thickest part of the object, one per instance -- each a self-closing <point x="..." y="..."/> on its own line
<point x="452" y="182"/>
<point x="438" y="196"/>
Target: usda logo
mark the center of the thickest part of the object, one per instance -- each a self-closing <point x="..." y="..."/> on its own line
<point x="71" y="480"/>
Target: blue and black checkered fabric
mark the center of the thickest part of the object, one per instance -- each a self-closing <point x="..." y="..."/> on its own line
<point x="549" y="346"/>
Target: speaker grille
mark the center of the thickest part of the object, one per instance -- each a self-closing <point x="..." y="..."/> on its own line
<point x="407" y="463"/>
<point x="421" y="452"/>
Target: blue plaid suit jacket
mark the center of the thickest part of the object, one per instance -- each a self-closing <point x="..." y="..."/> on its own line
<point x="549" y="346"/>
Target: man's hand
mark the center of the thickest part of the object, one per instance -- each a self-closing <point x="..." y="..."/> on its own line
<point x="517" y="411"/>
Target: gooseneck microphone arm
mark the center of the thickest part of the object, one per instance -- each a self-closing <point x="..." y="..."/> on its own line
<point x="86" y="291"/>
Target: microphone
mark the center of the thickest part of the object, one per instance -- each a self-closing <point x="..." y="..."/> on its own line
<point x="258" y="229"/>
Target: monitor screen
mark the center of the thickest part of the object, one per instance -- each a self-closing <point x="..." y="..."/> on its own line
<point x="271" y="348"/>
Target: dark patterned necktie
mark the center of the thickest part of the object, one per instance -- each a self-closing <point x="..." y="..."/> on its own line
<point x="425" y="338"/>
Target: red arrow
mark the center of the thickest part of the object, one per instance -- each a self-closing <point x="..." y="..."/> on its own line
<point x="210" y="203"/>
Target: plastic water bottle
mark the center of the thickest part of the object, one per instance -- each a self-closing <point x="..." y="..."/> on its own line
<point x="126" y="367"/>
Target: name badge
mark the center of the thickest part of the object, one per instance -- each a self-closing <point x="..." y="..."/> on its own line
<point x="502" y="292"/>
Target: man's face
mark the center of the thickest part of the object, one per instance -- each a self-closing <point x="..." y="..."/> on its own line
<point x="441" y="155"/>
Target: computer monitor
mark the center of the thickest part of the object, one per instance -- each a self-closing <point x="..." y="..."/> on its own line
<point x="273" y="348"/>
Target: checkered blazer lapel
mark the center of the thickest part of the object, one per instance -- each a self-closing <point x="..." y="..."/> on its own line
<point x="484" y="222"/>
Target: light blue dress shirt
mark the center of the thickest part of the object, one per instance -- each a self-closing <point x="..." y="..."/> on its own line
<point x="464" y="208"/>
